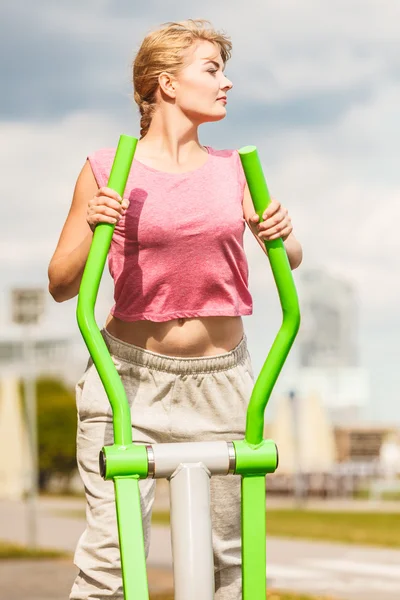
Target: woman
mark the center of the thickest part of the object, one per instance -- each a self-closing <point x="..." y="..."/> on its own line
<point x="175" y="331"/>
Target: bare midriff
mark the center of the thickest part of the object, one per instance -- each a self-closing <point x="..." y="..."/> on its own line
<point x="194" y="337"/>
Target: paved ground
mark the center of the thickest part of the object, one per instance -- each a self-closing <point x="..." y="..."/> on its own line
<point x="348" y="572"/>
<point x="52" y="580"/>
<point x="351" y="573"/>
<point x="338" y="570"/>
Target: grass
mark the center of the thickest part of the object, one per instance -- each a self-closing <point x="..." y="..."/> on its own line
<point x="380" y="529"/>
<point x="389" y="496"/>
<point x="15" y="551"/>
<point x="364" y="528"/>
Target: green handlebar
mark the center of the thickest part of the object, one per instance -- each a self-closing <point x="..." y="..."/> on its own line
<point x="88" y="293"/>
<point x="288" y="298"/>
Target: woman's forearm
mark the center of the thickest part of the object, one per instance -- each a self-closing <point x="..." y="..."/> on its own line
<point x="294" y="251"/>
<point x="65" y="273"/>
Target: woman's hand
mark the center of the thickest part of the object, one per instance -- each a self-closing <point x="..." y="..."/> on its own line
<point x="106" y="206"/>
<point x="276" y="223"/>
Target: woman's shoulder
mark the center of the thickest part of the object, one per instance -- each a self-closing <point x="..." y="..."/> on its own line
<point x="232" y="161"/>
<point x="101" y="161"/>
<point x="223" y="153"/>
<point x="103" y="153"/>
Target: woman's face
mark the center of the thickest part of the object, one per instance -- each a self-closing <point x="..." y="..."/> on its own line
<point x="200" y="85"/>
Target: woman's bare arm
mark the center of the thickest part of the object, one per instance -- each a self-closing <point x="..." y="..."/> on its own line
<point x="90" y="206"/>
<point x="69" y="259"/>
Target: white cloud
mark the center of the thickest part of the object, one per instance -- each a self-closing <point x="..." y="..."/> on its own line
<point x="42" y="162"/>
<point x="297" y="48"/>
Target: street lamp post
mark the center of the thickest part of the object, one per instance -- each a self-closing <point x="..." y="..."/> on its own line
<point x="27" y="308"/>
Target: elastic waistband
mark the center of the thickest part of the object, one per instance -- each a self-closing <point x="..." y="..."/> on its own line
<point x="175" y="364"/>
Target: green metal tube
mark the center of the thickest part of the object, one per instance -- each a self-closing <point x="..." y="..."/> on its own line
<point x="123" y="461"/>
<point x="255" y="460"/>
<point x="254" y="575"/>
<point x="88" y="293"/>
<point x="288" y="298"/>
<point x="131" y="539"/>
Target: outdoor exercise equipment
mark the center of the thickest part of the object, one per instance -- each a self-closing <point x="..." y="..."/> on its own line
<point x="189" y="466"/>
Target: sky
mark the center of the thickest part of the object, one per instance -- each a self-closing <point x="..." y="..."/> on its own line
<point x="316" y="87"/>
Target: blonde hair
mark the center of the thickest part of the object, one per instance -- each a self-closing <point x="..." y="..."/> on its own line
<point x="164" y="50"/>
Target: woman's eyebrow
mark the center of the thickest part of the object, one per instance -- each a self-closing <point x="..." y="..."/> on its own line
<point x="214" y="63"/>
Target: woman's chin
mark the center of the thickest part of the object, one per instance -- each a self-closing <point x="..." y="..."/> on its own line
<point x="217" y="116"/>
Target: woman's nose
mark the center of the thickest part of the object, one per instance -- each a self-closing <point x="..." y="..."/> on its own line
<point x="228" y="84"/>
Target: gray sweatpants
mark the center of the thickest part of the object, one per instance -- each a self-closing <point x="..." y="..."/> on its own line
<point x="172" y="399"/>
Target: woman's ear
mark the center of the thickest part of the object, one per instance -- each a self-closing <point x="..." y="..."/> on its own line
<point x="167" y="84"/>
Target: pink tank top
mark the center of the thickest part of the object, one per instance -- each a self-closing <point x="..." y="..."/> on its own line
<point x="178" y="251"/>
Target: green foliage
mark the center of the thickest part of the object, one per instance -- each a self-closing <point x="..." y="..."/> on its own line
<point x="11" y="551"/>
<point x="56" y="428"/>
<point x="56" y="420"/>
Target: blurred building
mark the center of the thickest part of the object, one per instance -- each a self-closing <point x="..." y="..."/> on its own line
<point x="328" y="334"/>
<point x="369" y="455"/>
<point x="16" y="465"/>
<point x="327" y="346"/>
<point x="23" y="352"/>
<point x="303" y="434"/>
<point x="49" y="353"/>
<point x="390" y="454"/>
<point x="317" y="419"/>
<point x="364" y="443"/>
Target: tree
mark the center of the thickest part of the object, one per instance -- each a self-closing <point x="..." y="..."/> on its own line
<point x="56" y="419"/>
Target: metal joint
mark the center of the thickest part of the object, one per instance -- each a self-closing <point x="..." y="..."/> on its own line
<point x="277" y="456"/>
<point x="151" y="462"/>
<point x="232" y="458"/>
<point x="102" y="463"/>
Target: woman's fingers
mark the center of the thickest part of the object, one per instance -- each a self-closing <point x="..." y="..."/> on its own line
<point x="274" y="207"/>
<point x="106" y="206"/>
<point x="105" y="191"/>
<point x="284" y="233"/>
<point x="100" y="218"/>
<point x="107" y="211"/>
<point x="272" y="212"/>
<point x="276" y="224"/>
<point x="111" y="200"/>
<point x="284" y="228"/>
